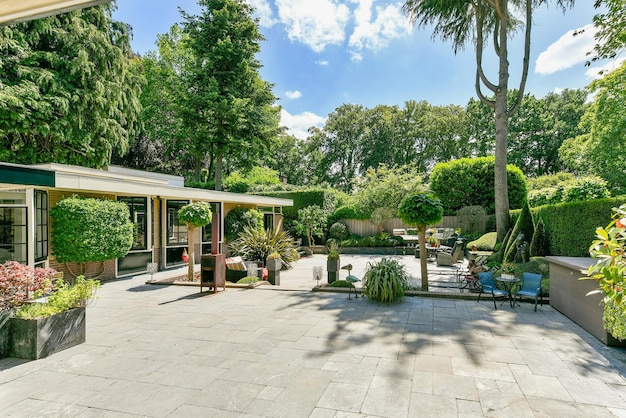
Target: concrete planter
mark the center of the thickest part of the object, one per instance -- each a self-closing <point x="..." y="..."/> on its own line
<point x="332" y="267"/>
<point x="274" y="264"/>
<point x="37" y="338"/>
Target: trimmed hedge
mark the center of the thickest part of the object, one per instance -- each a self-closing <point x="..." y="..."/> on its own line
<point x="470" y="181"/>
<point x="570" y="227"/>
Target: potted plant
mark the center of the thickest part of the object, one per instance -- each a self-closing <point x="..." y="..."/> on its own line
<point x="53" y="322"/>
<point x="17" y="284"/>
<point x="433" y="241"/>
<point x="273" y="264"/>
<point x="333" y="261"/>
<point x="508" y="271"/>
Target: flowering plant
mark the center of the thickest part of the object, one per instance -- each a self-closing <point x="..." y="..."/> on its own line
<point x="18" y="282"/>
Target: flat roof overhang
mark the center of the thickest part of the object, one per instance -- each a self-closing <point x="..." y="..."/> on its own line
<point x="15" y="11"/>
<point x="11" y="174"/>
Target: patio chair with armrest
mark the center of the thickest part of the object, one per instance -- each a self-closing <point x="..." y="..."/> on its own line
<point x="488" y="285"/>
<point x="531" y="288"/>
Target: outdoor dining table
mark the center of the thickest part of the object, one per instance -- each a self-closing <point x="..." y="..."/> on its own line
<point x="434" y="249"/>
<point x="508" y="282"/>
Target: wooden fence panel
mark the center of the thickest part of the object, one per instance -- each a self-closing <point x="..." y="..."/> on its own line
<point x="365" y="228"/>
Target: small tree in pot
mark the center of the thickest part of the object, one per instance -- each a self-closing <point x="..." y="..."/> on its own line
<point x="194" y="215"/>
<point x="421" y="210"/>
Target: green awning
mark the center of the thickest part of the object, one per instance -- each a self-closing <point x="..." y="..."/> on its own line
<point x="26" y="176"/>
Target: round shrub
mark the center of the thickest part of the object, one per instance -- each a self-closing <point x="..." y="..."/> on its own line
<point x="456" y="182"/>
<point x="347" y="212"/>
<point x="340" y="283"/>
<point x="385" y="280"/>
<point x="339" y="231"/>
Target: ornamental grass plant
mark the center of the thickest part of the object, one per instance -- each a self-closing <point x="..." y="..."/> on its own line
<point x="385" y="280"/>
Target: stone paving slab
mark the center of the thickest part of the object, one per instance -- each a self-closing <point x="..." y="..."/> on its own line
<point x="167" y="351"/>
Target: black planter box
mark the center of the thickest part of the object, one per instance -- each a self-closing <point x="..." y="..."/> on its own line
<point x="37" y="338"/>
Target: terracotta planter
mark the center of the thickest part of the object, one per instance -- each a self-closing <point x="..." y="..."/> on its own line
<point x="37" y="338"/>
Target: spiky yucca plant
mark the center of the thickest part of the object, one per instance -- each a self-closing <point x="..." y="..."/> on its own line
<point x="255" y="244"/>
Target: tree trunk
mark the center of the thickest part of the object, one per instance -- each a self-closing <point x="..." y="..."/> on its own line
<point x="196" y="169"/>
<point x="218" y="170"/>
<point x="502" y="131"/>
<point x="421" y="235"/>
<point x="190" y="263"/>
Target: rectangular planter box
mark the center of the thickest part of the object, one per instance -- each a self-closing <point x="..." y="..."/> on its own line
<point x="37" y="338"/>
<point x="568" y="295"/>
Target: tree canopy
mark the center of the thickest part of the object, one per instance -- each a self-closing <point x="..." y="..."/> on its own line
<point x="226" y="106"/>
<point x="464" y="22"/>
<point x="67" y="90"/>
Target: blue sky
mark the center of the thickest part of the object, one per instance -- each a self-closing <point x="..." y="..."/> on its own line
<point x="320" y="54"/>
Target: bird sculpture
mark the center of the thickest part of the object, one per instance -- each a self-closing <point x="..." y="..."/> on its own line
<point x="352" y="280"/>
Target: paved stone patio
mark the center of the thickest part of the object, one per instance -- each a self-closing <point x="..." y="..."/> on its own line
<point x="166" y="351"/>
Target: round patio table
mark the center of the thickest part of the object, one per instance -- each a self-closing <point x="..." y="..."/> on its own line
<point x="508" y="282"/>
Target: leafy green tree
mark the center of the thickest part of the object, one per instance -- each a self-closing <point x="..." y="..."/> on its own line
<point x="597" y="152"/>
<point x="67" y="92"/>
<point x="473" y="22"/>
<point x="311" y="222"/>
<point x="421" y="210"/>
<point x="90" y="230"/>
<point x="227" y="107"/>
<point x="339" y="146"/>
<point x="257" y="177"/>
<point x="536" y="130"/>
<point x="385" y="187"/>
<point x="289" y="158"/>
<point x="160" y="144"/>
<point x="611" y="25"/>
<point x="194" y="215"/>
<point x="456" y="183"/>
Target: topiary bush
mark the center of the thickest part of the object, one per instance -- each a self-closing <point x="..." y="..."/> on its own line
<point x="523" y="225"/>
<point x="539" y="247"/>
<point x="456" y="182"/>
<point x="486" y="242"/>
<point x="385" y="281"/>
<point x="338" y="231"/>
<point x="347" y="212"/>
<point x="90" y="230"/>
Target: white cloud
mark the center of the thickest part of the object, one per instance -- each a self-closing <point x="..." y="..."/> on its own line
<point x="558" y="90"/>
<point x="322" y="63"/>
<point x="599" y="72"/>
<point x="376" y="33"/>
<point x="566" y="52"/>
<point x="314" y="23"/>
<point x="293" y="94"/>
<point x="264" y="12"/>
<point x="298" y="125"/>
